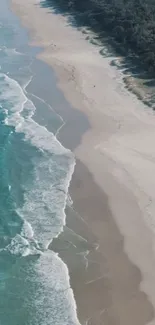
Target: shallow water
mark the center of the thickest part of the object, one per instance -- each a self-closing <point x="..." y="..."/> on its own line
<point x="35" y="173"/>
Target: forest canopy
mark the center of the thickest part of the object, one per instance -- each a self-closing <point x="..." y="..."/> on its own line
<point x="131" y="23"/>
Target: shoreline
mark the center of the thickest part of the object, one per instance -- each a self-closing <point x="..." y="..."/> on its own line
<point x="79" y="227"/>
<point x="108" y="172"/>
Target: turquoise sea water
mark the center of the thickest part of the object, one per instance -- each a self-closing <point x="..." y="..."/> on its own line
<point x="35" y="172"/>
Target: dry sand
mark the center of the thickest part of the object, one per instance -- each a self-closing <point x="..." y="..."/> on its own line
<point x="115" y="193"/>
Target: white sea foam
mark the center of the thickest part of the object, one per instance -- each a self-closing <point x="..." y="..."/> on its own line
<point x="52" y="298"/>
<point x="18" y="246"/>
<point x="10" y="51"/>
<point x="27" y="230"/>
<point x="57" y="293"/>
<point x="69" y="201"/>
<point x="45" y="198"/>
<point x="43" y="212"/>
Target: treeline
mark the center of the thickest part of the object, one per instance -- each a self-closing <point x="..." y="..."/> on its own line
<point x="131" y="23"/>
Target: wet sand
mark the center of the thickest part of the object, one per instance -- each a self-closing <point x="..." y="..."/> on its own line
<point x="108" y="241"/>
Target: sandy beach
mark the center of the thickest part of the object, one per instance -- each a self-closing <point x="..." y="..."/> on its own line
<point x="113" y="186"/>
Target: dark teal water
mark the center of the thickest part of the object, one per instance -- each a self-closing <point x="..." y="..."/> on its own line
<point x="35" y="172"/>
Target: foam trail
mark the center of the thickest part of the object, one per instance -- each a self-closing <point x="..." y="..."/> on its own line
<point x="37" y="173"/>
<point x="69" y="201"/>
<point x="45" y="200"/>
<point x="10" y="51"/>
<point x="43" y="212"/>
<point x="44" y="102"/>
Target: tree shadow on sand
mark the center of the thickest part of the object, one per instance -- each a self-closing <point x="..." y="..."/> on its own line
<point x="121" y="58"/>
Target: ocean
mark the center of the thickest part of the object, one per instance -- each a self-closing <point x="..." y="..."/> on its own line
<point x="35" y="173"/>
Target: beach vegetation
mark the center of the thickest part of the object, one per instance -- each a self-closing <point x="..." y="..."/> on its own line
<point x="130" y="24"/>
